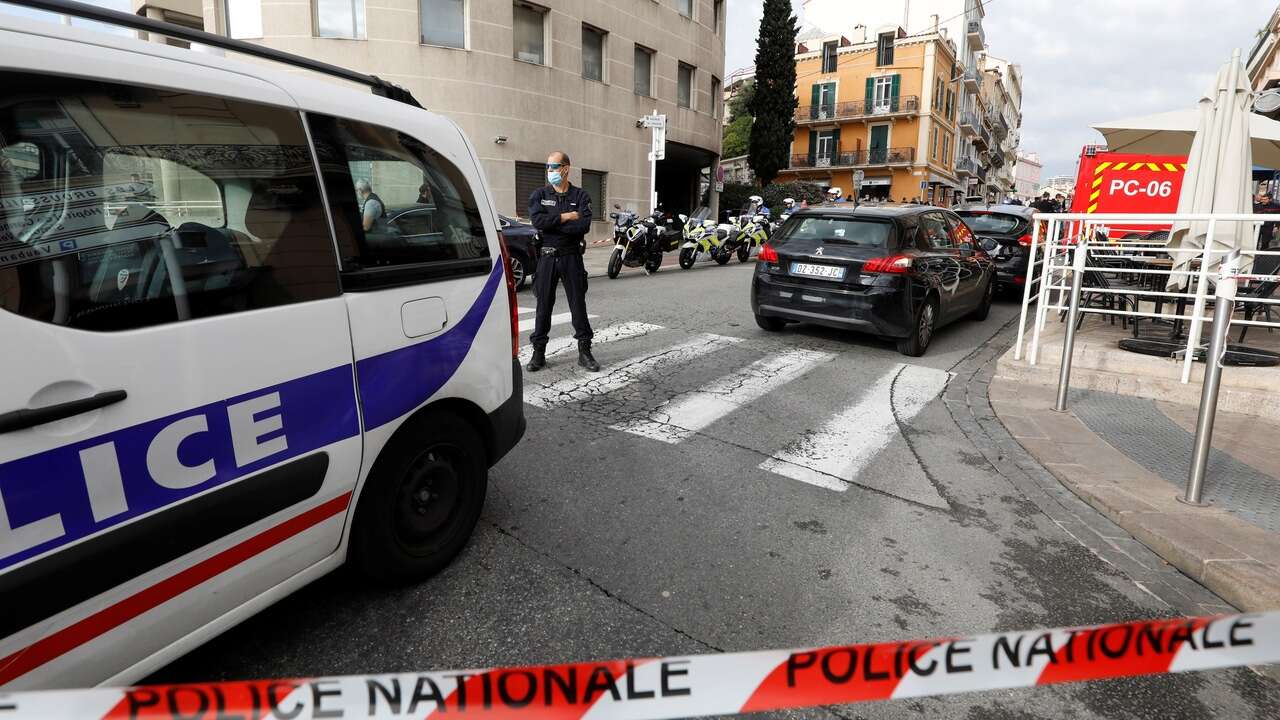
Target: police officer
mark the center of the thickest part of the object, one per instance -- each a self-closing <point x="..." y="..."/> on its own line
<point x="562" y="215"/>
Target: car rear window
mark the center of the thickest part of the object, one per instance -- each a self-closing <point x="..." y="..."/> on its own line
<point x="984" y="222"/>
<point x="846" y="231"/>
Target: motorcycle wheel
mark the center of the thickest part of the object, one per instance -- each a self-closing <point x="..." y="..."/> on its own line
<point x="687" y="257"/>
<point x="615" y="263"/>
<point x="744" y="252"/>
<point x="653" y="262"/>
<point x="722" y="256"/>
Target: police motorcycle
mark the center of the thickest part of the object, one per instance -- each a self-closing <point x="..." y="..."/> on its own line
<point x="788" y="207"/>
<point x="636" y="243"/>
<point x="752" y="230"/>
<point x="701" y="235"/>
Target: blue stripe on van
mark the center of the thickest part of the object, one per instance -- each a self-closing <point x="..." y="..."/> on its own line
<point x="395" y="383"/>
<point x="315" y="411"/>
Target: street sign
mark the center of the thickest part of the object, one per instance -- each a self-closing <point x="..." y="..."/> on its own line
<point x="720" y="186"/>
<point x="660" y="141"/>
<point x="858" y="176"/>
<point x="654" y="121"/>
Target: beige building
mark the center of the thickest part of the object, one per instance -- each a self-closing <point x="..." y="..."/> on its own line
<point x="525" y="78"/>
<point x="1026" y="177"/>
<point x="1001" y="98"/>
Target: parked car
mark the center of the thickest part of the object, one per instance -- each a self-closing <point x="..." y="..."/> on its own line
<point x="519" y="237"/>
<point x="1004" y="233"/>
<point x="897" y="271"/>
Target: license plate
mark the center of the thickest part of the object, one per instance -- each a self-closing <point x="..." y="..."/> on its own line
<point x="830" y="272"/>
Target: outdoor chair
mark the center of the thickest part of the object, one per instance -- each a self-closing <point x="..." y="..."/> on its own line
<point x="1266" y="265"/>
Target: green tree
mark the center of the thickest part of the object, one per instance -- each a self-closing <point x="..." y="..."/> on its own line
<point x="774" y="101"/>
<point x="737" y="134"/>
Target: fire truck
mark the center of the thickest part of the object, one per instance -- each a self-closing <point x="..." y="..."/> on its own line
<point x="1110" y="182"/>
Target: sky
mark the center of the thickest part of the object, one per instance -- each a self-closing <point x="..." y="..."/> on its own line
<point x="1084" y="61"/>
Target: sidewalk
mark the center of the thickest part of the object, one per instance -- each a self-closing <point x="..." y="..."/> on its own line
<point x="1128" y="457"/>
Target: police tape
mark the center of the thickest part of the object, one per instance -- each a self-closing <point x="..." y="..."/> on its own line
<point x="699" y="685"/>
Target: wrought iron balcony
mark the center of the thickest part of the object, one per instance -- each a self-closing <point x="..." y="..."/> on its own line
<point x="966" y="166"/>
<point x="968" y="123"/>
<point x="833" y="112"/>
<point x="976" y="35"/>
<point x="972" y="80"/>
<point x="982" y="138"/>
<point x="856" y="158"/>
<point x="999" y="126"/>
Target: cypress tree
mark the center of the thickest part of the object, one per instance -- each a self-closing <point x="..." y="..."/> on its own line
<point x="774" y="103"/>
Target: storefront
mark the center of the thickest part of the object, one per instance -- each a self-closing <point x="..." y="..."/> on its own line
<point x="876" y="189"/>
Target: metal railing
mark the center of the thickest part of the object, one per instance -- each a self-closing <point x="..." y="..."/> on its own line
<point x="1068" y="248"/>
<point x="966" y="165"/>
<point x="857" y="109"/>
<point x="976" y="34"/>
<point x="856" y="158"/>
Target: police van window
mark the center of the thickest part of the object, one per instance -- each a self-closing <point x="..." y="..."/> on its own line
<point x="151" y="206"/>
<point x="402" y="212"/>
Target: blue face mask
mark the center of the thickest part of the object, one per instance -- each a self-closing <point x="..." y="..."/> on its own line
<point x="554" y="177"/>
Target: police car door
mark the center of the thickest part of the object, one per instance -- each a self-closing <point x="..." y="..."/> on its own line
<point x="178" y="427"/>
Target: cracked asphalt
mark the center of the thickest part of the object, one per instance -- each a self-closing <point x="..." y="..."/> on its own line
<point x="599" y="544"/>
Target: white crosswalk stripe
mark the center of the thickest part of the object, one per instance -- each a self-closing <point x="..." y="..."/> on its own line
<point x="581" y="386"/>
<point x="526" y="310"/>
<point x="561" y="345"/>
<point x="681" y="417"/>
<point x="845" y="444"/>
<point x="526" y="323"/>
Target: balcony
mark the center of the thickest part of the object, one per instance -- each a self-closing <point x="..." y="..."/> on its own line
<point x="858" y="110"/>
<point x="965" y="166"/>
<point x="968" y="123"/>
<point x="858" y="158"/>
<point x="982" y="138"/>
<point x="999" y="127"/>
<point x="976" y="36"/>
<point x="972" y="80"/>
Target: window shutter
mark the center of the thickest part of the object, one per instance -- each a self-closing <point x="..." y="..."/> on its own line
<point x="835" y="146"/>
<point x="897" y="88"/>
<point x="813" y="148"/>
<point x="871" y="91"/>
<point x="813" y="101"/>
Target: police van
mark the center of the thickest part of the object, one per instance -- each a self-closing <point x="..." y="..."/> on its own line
<point x="221" y="377"/>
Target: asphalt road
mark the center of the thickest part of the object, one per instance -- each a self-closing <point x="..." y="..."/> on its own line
<point x="720" y="488"/>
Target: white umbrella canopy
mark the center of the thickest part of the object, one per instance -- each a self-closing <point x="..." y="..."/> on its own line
<point x="1171" y="133"/>
<point x="1219" y="166"/>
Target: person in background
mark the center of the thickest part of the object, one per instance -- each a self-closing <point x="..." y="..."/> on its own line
<point x="1263" y="204"/>
<point x="835" y="195"/>
<point x="1060" y="201"/>
<point x="372" y="210"/>
<point x="424" y="195"/>
<point x="1044" y="204"/>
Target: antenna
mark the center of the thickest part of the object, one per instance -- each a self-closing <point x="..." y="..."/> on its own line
<point x="67" y="8"/>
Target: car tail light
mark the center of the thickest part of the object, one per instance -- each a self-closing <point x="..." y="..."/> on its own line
<point x="1025" y="241"/>
<point x="511" y="295"/>
<point x="767" y="254"/>
<point x="890" y="264"/>
<point x="1019" y="279"/>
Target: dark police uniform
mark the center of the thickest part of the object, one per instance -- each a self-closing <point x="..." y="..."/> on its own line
<point x="560" y="259"/>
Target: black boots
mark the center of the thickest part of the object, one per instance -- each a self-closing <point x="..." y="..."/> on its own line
<point x="585" y="359"/>
<point x="539" y="359"/>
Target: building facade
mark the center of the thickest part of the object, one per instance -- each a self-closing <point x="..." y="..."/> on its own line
<point x="881" y="106"/>
<point x="523" y="79"/>
<point x="1264" y="65"/>
<point x="1026" y="177"/>
<point x="1001" y="100"/>
<point x="957" y="21"/>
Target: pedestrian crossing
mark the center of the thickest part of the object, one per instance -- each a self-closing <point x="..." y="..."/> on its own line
<point x="828" y="453"/>
<point x="526" y="316"/>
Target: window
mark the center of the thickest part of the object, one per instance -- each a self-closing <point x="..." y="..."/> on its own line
<point x="961" y="237"/>
<point x="951" y="104"/>
<point x="593" y="53"/>
<point x="884" y="49"/>
<point x="883" y="96"/>
<point x="717" y="8"/>
<point x="529" y="31"/>
<point x="396" y="204"/>
<point x="937" y="93"/>
<point x="243" y="18"/>
<point x="829" y="56"/>
<point x="934" y="145"/>
<point x="685" y="7"/>
<point x="135" y="212"/>
<point x="684" y="86"/>
<point x="946" y="148"/>
<point x="643" y="71"/>
<point x="529" y="177"/>
<point x="935" y="232"/>
<point x="593" y="181"/>
<point x="716" y="96"/>
<point x="838" y="231"/>
<point x="443" y="22"/>
<point x="339" y="19"/>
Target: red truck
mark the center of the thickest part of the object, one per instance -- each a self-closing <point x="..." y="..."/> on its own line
<point x="1110" y="182"/>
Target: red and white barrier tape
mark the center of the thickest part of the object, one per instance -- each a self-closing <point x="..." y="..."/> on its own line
<point x="704" y="684"/>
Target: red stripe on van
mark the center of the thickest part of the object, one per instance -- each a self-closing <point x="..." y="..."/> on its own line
<point x="77" y="634"/>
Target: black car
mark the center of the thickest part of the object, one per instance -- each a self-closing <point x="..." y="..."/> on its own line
<point x="1004" y="232"/>
<point x="898" y="271"/>
<point x="519" y="236"/>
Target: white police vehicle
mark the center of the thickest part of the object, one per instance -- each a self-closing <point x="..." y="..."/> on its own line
<point x="218" y="383"/>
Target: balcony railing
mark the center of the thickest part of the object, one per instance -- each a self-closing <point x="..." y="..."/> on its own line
<point x="999" y="126"/>
<point x="857" y="109"/>
<point x="982" y="138"/>
<point x="972" y="80"/>
<point x="969" y="123"/>
<point x="976" y="35"/>
<point x="966" y="166"/>
<point x="856" y="158"/>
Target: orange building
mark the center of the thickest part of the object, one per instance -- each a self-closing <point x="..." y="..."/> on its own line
<point x="887" y="107"/>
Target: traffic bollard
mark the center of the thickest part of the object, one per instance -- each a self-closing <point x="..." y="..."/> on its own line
<point x="1069" y="342"/>
<point x="1225" y="305"/>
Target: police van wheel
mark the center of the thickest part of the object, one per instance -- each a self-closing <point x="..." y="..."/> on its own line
<point x="421" y="501"/>
<point x="615" y="264"/>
